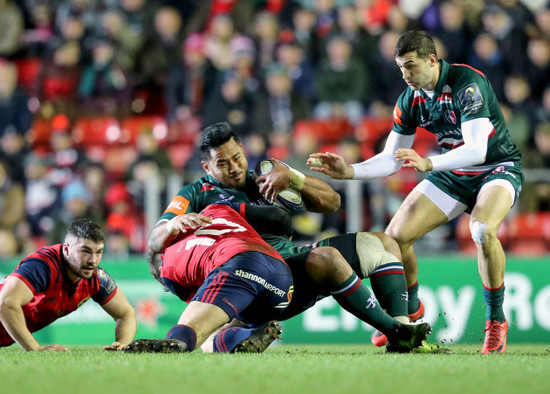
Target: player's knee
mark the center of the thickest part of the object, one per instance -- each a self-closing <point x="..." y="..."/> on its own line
<point x="483" y="233"/>
<point x="325" y="262"/>
<point x="374" y="250"/>
<point x="399" y="236"/>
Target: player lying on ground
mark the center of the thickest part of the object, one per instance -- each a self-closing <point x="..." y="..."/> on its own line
<point x="327" y="267"/>
<point x="55" y="281"/>
<point x="222" y="267"/>
<point x="479" y="170"/>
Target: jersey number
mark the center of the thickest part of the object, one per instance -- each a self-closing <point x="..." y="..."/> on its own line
<point x="207" y="241"/>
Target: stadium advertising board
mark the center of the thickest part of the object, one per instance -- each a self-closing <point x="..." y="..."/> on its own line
<point x="450" y="288"/>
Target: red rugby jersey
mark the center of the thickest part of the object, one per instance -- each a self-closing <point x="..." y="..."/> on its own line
<point x="56" y="295"/>
<point x="189" y="260"/>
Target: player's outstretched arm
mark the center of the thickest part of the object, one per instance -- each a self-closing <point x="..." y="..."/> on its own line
<point x="125" y="316"/>
<point x="383" y="164"/>
<point x="330" y="164"/>
<point x="15" y="293"/>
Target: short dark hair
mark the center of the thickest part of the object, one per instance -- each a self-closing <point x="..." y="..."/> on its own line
<point x="215" y="136"/>
<point x="86" y="229"/>
<point x="415" y="41"/>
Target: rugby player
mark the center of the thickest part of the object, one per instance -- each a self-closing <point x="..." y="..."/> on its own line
<point x="222" y="267"/>
<point x="478" y="171"/>
<point x="337" y="268"/>
<point x="55" y="281"/>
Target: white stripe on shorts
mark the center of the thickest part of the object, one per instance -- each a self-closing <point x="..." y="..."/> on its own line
<point x="448" y="205"/>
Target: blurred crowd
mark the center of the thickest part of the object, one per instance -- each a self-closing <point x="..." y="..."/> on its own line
<point x="69" y="68"/>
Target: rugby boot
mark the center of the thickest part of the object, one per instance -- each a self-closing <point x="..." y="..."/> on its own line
<point x="405" y="337"/>
<point x="260" y="339"/>
<point x="379" y="339"/>
<point x="156" y="346"/>
<point x="431" y="348"/>
<point x="495" y="337"/>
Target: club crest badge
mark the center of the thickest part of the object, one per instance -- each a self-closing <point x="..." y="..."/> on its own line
<point x="450" y="116"/>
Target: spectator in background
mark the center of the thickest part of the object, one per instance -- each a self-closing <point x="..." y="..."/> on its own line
<point x="75" y="199"/>
<point x="265" y="34"/>
<point x="511" y="38"/>
<point x="348" y="25"/>
<point x="8" y="244"/>
<point x="398" y="20"/>
<point x="385" y="87"/>
<point x="453" y="31"/>
<point x="279" y="107"/>
<point x="114" y="26"/>
<point x="542" y="22"/>
<point x="104" y="88"/>
<point x="542" y="110"/>
<point x="517" y="93"/>
<point x="190" y="83"/>
<point x="162" y="50"/>
<point x="538" y="65"/>
<point x="299" y="68"/>
<point x="325" y="17"/>
<point x="231" y="104"/>
<point x="140" y="16"/>
<point x="150" y="162"/>
<point x="34" y="40"/>
<point x="217" y="42"/>
<point x="58" y="78"/>
<point x="12" y="201"/>
<point x="14" y="111"/>
<point x="83" y="10"/>
<point x="537" y="193"/>
<point x="542" y="143"/>
<point x="93" y="177"/>
<point x="13" y="151"/>
<point x="72" y="30"/>
<point x="64" y="159"/>
<point x="341" y="83"/>
<point x="124" y="217"/>
<point x="487" y="57"/>
<point x="11" y="28"/>
<point x="243" y="52"/>
<point x="41" y="197"/>
<point x="303" y="27"/>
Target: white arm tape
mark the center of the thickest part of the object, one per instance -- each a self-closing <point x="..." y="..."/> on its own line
<point x="475" y="134"/>
<point x="384" y="163"/>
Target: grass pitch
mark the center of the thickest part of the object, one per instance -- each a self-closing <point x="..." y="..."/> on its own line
<point x="283" y="369"/>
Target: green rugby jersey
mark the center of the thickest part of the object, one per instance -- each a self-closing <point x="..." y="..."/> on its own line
<point x="462" y="93"/>
<point x="196" y="196"/>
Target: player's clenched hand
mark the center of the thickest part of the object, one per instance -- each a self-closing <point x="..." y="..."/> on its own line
<point x="274" y="181"/>
<point x="330" y="164"/>
<point x="413" y="160"/>
<point x="52" y="348"/>
<point x="114" y="347"/>
<point x="189" y="220"/>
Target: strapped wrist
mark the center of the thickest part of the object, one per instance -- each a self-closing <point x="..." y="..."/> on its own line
<point x="170" y="226"/>
<point x="297" y="179"/>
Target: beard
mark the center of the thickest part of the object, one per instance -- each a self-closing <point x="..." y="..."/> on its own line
<point x="82" y="271"/>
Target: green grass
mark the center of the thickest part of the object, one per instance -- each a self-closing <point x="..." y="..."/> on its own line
<point x="285" y="369"/>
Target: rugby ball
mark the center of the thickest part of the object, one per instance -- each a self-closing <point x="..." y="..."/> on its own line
<point x="289" y="198"/>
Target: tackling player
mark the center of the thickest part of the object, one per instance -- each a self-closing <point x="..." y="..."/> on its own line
<point x="224" y="270"/>
<point x="479" y="170"/>
<point x="55" y="281"/>
<point x="317" y="272"/>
